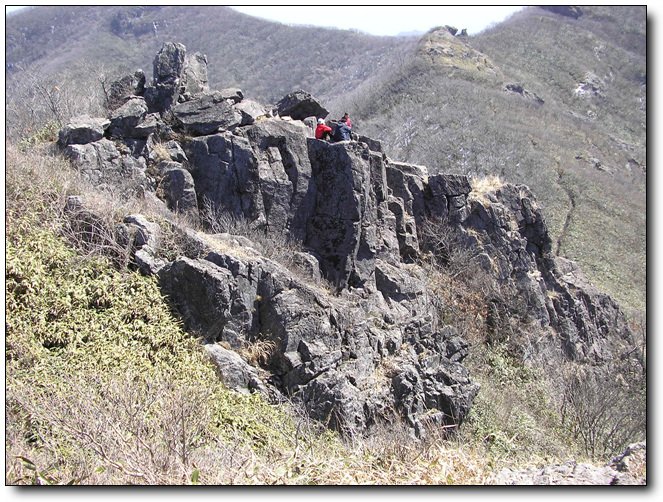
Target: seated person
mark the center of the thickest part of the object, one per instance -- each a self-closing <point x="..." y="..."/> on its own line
<point x="323" y="131"/>
<point x="343" y="132"/>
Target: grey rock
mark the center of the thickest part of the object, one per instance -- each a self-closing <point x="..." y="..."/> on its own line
<point x="126" y="88"/>
<point x="308" y="265"/>
<point x="169" y="62"/>
<point x="449" y="185"/>
<point x="172" y="150"/>
<point x="311" y="123"/>
<point x="284" y="174"/>
<point x="166" y="85"/>
<point x="102" y="164"/>
<point x="359" y="215"/>
<point x="233" y="371"/>
<point x="82" y="130"/>
<point x="403" y="286"/>
<point x="341" y="229"/>
<point x="373" y="144"/>
<point x="517" y="88"/>
<point x="147" y="233"/>
<point x="147" y="261"/>
<point x="299" y="105"/>
<point x="125" y="121"/>
<point x="405" y="229"/>
<point x="506" y="232"/>
<point x="74" y="203"/>
<point x="251" y="111"/>
<point x="571" y="472"/>
<point x="568" y="473"/>
<point x="177" y="188"/>
<point x="207" y="113"/>
<point x="194" y="79"/>
<point x="326" y="355"/>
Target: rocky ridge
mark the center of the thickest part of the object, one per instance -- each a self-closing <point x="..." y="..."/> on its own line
<point x="368" y="348"/>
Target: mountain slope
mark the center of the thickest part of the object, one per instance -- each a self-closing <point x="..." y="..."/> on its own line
<point x="545" y="100"/>
<point x="266" y="59"/>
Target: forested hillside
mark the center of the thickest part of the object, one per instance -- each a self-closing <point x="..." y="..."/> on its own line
<point x="543" y="99"/>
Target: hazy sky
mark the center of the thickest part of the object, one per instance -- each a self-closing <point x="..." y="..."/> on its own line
<point x="386" y="19"/>
<point x="382" y="19"/>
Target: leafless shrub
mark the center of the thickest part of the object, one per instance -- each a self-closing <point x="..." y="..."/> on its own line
<point x="119" y="428"/>
<point x="35" y="98"/>
<point x="94" y="234"/>
<point x="442" y="242"/>
<point x="603" y="410"/>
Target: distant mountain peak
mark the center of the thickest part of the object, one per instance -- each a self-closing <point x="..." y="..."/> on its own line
<point x="443" y="48"/>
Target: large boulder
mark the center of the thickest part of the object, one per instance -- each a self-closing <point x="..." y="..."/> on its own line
<point x="177" y="189"/>
<point x="83" y="129"/>
<point x="299" y="105"/>
<point x="284" y="174"/>
<point x="233" y="371"/>
<point x="194" y="79"/>
<point x="132" y="120"/>
<point x="251" y="111"/>
<point x="261" y="174"/>
<point x="505" y="232"/>
<point x="225" y="173"/>
<point x="102" y="164"/>
<point x="342" y="227"/>
<point x="349" y="373"/>
<point x="207" y="113"/>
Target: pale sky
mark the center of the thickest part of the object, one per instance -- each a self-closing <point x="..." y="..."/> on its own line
<point x="386" y="19"/>
<point x="380" y="19"/>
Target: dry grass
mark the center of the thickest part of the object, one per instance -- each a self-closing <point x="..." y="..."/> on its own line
<point x="486" y="184"/>
<point x="258" y="353"/>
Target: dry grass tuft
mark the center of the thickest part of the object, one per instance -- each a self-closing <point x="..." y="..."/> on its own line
<point x="484" y="185"/>
<point x="259" y="352"/>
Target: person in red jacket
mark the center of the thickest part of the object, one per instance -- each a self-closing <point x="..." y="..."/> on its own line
<point x="323" y="131"/>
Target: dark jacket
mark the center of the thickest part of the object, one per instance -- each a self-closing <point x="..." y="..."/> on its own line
<point x="342" y="133"/>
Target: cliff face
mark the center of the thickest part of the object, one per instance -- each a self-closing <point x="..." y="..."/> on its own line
<point x="375" y="348"/>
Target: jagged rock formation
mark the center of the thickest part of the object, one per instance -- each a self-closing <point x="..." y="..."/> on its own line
<point x="374" y="348"/>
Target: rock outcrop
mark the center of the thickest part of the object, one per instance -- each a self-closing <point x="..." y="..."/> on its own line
<point x="564" y="10"/>
<point x="300" y="105"/>
<point x="625" y="469"/>
<point x="365" y="346"/>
